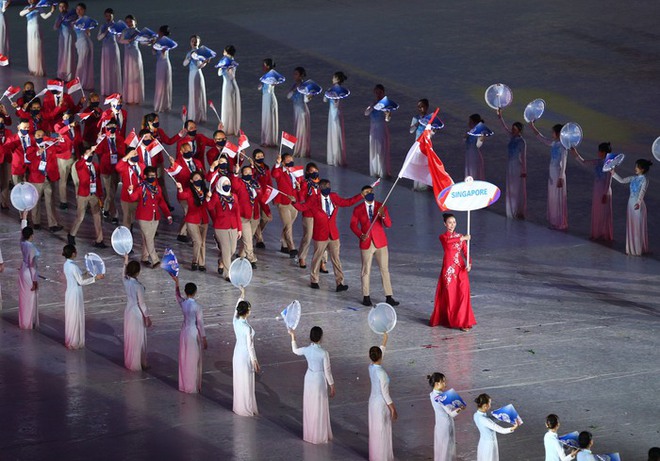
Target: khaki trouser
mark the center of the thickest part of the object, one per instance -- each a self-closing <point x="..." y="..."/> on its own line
<point x="382" y="259"/>
<point x="148" y="229"/>
<point x="46" y="189"/>
<point x="259" y="230"/>
<point x="288" y="215"/>
<point x="128" y="213"/>
<point x="308" y="231"/>
<point x="227" y="239"/>
<point x="81" y="203"/>
<point x="110" y="183"/>
<point x="197" y="233"/>
<point x="5" y="176"/>
<point x="16" y="179"/>
<point x="183" y="229"/>
<point x="247" y="250"/>
<point x="66" y="169"/>
<point x="332" y="246"/>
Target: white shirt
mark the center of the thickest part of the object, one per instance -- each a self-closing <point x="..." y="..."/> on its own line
<point x="554" y="451"/>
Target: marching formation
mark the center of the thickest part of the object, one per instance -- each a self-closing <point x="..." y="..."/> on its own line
<point x="119" y="172"/>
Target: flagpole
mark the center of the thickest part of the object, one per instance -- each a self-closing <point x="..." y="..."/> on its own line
<point x="468" y="242"/>
<point x="280" y="154"/>
<point x="383" y="204"/>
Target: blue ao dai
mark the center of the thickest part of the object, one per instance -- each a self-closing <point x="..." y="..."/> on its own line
<point x="163" y="91"/>
<point x="637" y="239"/>
<point x="301" y="123"/>
<point x="110" y="61"/>
<point x="230" y="112"/>
<point x="85" y="66"/>
<point x="336" y="139"/>
<point x="196" y="89"/>
<point x="190" y="345"/>
<point x="269" y="116"/>
<point x="516" y="182"/>
<point x="74" y="305"/>
<point x="65" y="49"/>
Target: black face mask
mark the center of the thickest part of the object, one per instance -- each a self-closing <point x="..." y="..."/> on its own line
<point x="259" y="160"/>
<point x="89" y="159"/>
<point x="27" y="95"/>
<point x="112" y="130"/>
<point x="35" y="112"/>
<point x="151" y="180"/>
<point x="199" y="183"/>
<point x="313" y="175"/>
<point x="155" y="124"/>
<point x="289" y="164"/>
<point x="187" y="155"/>
<point x="223" y="166"/>
<point x="94" y="105"/>
<point x="326" y="191"/>
<point x="247" y="177"/>
<point x="146" y="142"/>
<point x="221" y="143"/>
<point x="192" y="133"/>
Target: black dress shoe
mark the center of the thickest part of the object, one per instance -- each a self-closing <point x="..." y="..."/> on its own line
<point x="366" y="301"/>
<point x="183" y="238"/>
<point x="254" y="265"/>
<point x="36" y="226"/>
<point x="64" y="206"/>
<point x="260" y="245"/>
<point x="202" y="269"/>
<point x="391" y="301"/>
<point x="100" y="245"/>
<point x="115" y="221"/>
<point x="55" y="228"/>
<point x="155" y="265"/>
<point x="106" y="214"/>
<point x="323" y="270"/>
<point x="342" y="287"/>
<point x="70" y="239"/>
<point x="194" y="267"/>
<point x="314" y="285"/>
<point x="227" y="279"/>
<point x="284" y="250"/>
<point x="146" y="263"/>
<point x="303" y="266"/>
<point x="293" y="254"/>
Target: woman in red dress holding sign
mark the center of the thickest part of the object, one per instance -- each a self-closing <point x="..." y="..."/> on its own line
<point x="453" y="308"/>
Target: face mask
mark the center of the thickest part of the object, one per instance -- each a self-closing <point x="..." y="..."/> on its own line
<point x="226" y="187"/>
<point x="188" y="155"/>
<point x="290" y="164"/>
<point x="326" y="191"/>
<point x="151" y="180"/>
<point x="223" y="166"/>
<point x="146" y="142"/>
<point x="112" y="130"/>
<point x="39" y="140"/>
<point x="314" y="175"/>
<point x="369" y="197"/>
<point x="199" y="183"/>
<point x="132" y="160"/>
<point x="66" y="121"/>
<point x="192" y="133"/>
<point x="24" y="132"/>
<point x="221" y="143"/>
<point x="54" y="92"/>
<point x="155" y="124"/>
<point x="89" y="159"/>
<point x="27" y="95"/>
<point x="118" y="107"/>
<point x="35" y="112"/>
<point x="94" y="105"/>
<point x="247" y="177"/>
<point x="259" y="160"/>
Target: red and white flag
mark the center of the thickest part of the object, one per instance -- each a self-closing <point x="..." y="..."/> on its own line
<point x="184" y="114"/>
<point x="11" y="92"/>
<point x="154" y="148"/>
<point x="85" y="115"/>
<point x="132" y="139"/>
<point x="270" y="193"/>
<point x="243" y="142"/>
<point x="230" y="149"/>
<point x="74" y="85"/>
<point x="55" y="85"/>
<point x="375" y="183"/>
<point x="288" y="140"/>
<point x="4" y="60"/>
<point x="212" y="106"/>
<point x="423" y="164"/>
<point x="112" y="99"/>
<point x="297" y="171"/>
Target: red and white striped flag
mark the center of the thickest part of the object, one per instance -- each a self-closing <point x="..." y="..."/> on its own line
<point x="85" y="115"/>
<point x="55" y="85"/>
<point x="230" y="149"/>
<point x="375" y="183"/>
<point x="11" y="92"/>
<point x="4" y="60"/>
<point x="288" y="140"/>
<point x="154" y="148"/>
<point x="132" y="139"/>
<point x="184" y="114"/>
<point x="271" y="193"/>
<point x="297" y="171"/>
<point x="73" y="85"/>
<point x="243" y="142"/>
<point x="112" y="99"/>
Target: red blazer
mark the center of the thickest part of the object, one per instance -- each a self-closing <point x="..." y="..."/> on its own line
<point x="149" y="206"/>
<point x="262" y="175"/>
<point x="214" y="152"/>
<point x="181" y="173"/>
<point x="121" y="123"/>
<point x="304" y="195"/>
<point x="92" y="128"/>
<point x="104" y="154"/>
<point x="52" y="113"/>
<point x="360" y="224"/>
<point x="197" y="214"/>
<point x="14" y="148"/>
<point x="225" y="218"/>
<point x="35" y="175"/>
<point x="249" y="209"/>
<point x="325" y="227"/>
<point x="85" y="179"/>
<point x="201" y="143"/>
<point x="5" y="137"/>
<point x="39" y="124"/>
<point x="284" y="185"/>
<point x="129" y="177"/>
<point x="72" y="146"/>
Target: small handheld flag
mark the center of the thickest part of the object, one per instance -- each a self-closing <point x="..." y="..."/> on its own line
<point x="288" y="140"/>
